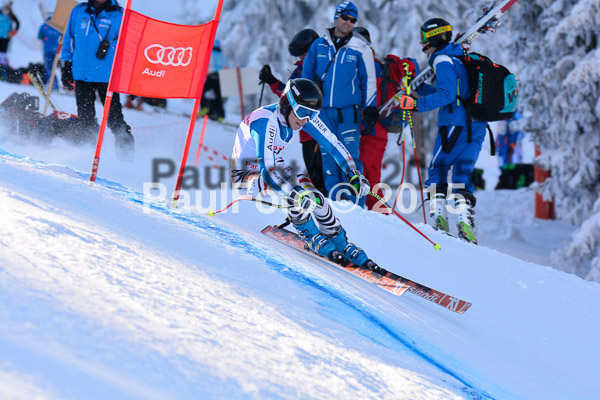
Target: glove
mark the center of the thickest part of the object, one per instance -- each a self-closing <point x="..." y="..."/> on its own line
<point x="266" y="76"/>
<point x="12" y="33"/>
<point x="371" y="115"/>
<point x="359" y="182"/>
<point x="301" y="198"/>
<point x="66" y="75"/>
<point x="407" y="102"/>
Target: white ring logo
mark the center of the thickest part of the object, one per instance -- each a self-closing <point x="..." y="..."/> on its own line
<point x="174" y="56"/>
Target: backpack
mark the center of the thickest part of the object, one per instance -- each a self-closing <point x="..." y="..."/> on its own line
<point x="494" y="93"/>
<point x="393" y="70"/>
<point x="493" y="89"/>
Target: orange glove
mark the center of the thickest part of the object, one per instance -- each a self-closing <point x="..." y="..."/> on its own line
<point x="12" y="33"/>
<point x="407" y="102"/>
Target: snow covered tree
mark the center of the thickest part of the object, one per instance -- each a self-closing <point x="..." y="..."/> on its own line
<point x="560" y="89"/>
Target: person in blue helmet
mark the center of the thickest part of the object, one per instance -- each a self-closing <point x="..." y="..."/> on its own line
<point x="455" y="148"/>
<point x="50" y="38"/>
<point x="258" y="168"/>
<point x="89" y="49"/>
<point x="343" y="67"/>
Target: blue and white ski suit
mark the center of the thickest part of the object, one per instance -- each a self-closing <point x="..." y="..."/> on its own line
<point x="257" y="167"/>
<point x="452" y="148"/>
<point x="256" y="163"/>
<point x="349" y="85"/>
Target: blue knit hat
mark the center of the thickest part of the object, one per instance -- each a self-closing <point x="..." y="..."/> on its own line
<point x="346" y="8"/>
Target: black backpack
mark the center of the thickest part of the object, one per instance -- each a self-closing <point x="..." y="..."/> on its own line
<point x="493" y="89"/>
<point x="494" y="92"/>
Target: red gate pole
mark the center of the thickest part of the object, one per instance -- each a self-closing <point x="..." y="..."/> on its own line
<point x="543" y="209"/>
<point x="186" y="150"/>
<point x="201" y="139"/>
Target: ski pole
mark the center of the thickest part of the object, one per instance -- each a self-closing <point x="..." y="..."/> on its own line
<point x="249" y="198"/>
<point x="262" y="90"/>
<point x="436" y="246"/>
<point x="401" y="138"/>
<point x="407" y="81"/>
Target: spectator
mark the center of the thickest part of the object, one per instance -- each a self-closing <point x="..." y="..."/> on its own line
<point x="453" y="148"/>
<point x="9" y="25"/>
<point x="373" y="140"/>
<point x="50" y="38"/>
<point x="343" y="67"/>
<point x="88" y="53"/>
<point x="311" y="153"/>
<point x="212" y="102"/>
<point x="509" y="142"/>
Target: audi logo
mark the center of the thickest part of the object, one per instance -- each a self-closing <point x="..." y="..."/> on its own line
<point x="165" y="55"/>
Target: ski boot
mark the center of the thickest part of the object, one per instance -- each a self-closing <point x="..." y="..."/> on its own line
<point x="466" y="220"/>
<point x="440" y="215"/>
<point x="353" y="253"/>
<point x="315" y="241"/>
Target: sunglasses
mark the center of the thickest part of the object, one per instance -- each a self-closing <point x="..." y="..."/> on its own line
<point x="426" y="35"/>
<point x="348" y="18"/>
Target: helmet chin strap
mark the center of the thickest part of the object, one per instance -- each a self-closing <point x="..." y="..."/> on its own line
<point x="425" y="48"/>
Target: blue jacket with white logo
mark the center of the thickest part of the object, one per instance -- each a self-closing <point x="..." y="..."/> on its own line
<point x="82" y="38"/>
<point x="450" y="79"/>
<point x="350" y="79"/>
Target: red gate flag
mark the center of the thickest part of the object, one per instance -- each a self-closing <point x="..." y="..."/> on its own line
<point x="160" y="59"/>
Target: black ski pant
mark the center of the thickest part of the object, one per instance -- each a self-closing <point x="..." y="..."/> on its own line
<point x="311" y="153"/>
<point x="85" y="97"/>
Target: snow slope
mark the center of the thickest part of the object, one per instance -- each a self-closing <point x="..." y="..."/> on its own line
<point x="107" y="293"/>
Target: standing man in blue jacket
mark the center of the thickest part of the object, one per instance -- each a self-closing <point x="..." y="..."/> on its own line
<point x="88" y="52"/>
<point x="343" y="67"/>
<point x="455" y="147"/>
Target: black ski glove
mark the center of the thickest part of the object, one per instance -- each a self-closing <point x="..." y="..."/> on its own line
<point x="371" y="115"/>
<point x="266" y="76"/>
<point x="66" y="75"/>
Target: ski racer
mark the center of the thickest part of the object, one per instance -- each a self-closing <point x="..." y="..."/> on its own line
<point x="453" y="147"/>
<point x="257" y="166"/>
<point x="298" y="47"/>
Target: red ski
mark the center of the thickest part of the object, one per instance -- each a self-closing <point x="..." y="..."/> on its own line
<point x="390" y="281"/>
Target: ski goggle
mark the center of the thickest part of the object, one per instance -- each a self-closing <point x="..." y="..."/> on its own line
<point x="304" y="112"/>
<point x="301" y="112"/>
<point x="426" y="35"/>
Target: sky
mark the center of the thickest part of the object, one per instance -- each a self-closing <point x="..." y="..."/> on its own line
<point x="108" y="292"/>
